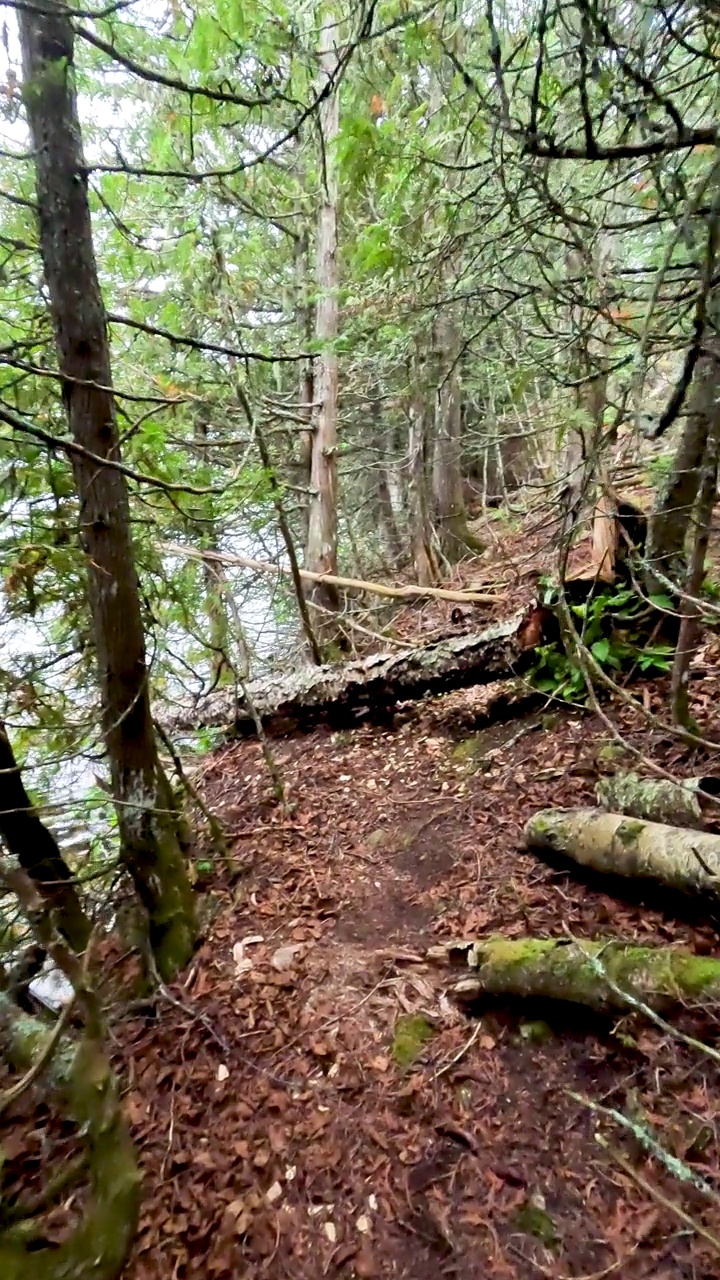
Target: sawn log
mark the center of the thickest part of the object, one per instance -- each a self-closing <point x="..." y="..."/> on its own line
<point x="623" y="846"/>
<point x="604" y="974"/>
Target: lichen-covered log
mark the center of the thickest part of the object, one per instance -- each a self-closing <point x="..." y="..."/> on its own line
<point x="595" y="974"/>
<point x="618" y="845"/>
<point x="81" y="1080"/>
<point x="684" y="803"/>
<point x="341" y="694"/>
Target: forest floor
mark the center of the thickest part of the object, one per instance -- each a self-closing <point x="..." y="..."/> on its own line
<point x="312" y="1104"/>
<point x="292" y="1121"/>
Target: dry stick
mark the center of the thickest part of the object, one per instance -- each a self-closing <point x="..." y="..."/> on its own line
<point x="442" y="1071"/>
<point x="332" y="580"/>
<point x="664" y="1200"/>
<point x="284" y="526"/>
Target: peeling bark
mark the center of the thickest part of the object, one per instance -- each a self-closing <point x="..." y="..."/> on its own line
<point x="343" y="694"/>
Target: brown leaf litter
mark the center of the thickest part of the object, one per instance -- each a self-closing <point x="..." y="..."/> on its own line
<point x="302" y="1148"/>
<point x="279" y="1133"/>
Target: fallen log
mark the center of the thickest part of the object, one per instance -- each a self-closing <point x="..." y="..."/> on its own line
<point x="342" y="694"/>
<point x="604" y="975"/>
<point x="685" y="803"/>
<point x="618" y="845"/>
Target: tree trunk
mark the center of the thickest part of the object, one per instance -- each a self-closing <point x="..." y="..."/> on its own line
<point x="671" y="518"/>
<point x="596" y="974"/>
<point x="585" y="442"/>
<point x="379" y="484"/>
<point x="321" y="553"/>
<point x="621" y="846"/>
<point x="690" y="608"/>
<point x="150" y="843"/>
<point x="421" y="534"/>
<point x="36" y="849"/>
<point x="213" y="574"/>
<point x="304" y="314"/>
<point x="447" y="484"/>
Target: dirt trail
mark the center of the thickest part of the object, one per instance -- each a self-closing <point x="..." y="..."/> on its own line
<point x="294" y="1142"/>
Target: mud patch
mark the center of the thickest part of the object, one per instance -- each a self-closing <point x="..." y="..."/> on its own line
<point x="388" y="915"/>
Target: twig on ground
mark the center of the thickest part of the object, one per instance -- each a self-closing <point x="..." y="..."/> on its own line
<point x="678" y="1168"/>
<point x="442" y="1071"/>
<point x="658" y="1195"/>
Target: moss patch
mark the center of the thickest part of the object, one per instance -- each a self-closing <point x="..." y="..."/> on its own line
<point x="412" y="1033"/>
<point x="535" y="1221"/>
<point x="537" y="1032"/>
<point x="470" y="748"/>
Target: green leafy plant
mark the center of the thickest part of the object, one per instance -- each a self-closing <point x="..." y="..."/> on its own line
<point x="612" y="626"/>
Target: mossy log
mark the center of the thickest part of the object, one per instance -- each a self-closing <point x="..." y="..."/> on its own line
<point x="618" y="845"/>
<point x="340" y="694"/>
<point x="81" y="1080"/>
<point x="596" y="974"/>
<point x="684" y="803"/>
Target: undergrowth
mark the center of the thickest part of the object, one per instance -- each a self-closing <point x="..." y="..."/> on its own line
<point x="617" y="627"/>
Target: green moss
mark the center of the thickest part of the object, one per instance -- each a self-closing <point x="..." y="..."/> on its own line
<point x="537" y="1032"/>
<point x="535" y="1221"/>
<point x="610" y="752"/>
<point x="513" y="952"/>
<point x="630" y="831"/>
<point x="695" y="974"/>
<point x="412" y="1033"/>
<point x="470" y="748"/>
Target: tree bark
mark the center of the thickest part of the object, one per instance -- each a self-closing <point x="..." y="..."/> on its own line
<point x="681" y="803"/>
<point x="618" y="845"/>
<point x="421" y="533"/>
<point x="342" y="694"/>
<point x="304" y="314"/>
<point x="150" y="844"/>
<point x="671" y="518"/>
<point x="690" y="607"/>
<point x="447" y="483"/>
<point x="37" y="851"/>
<point x="596" y="974"/>
<point x="321" y="552"/>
